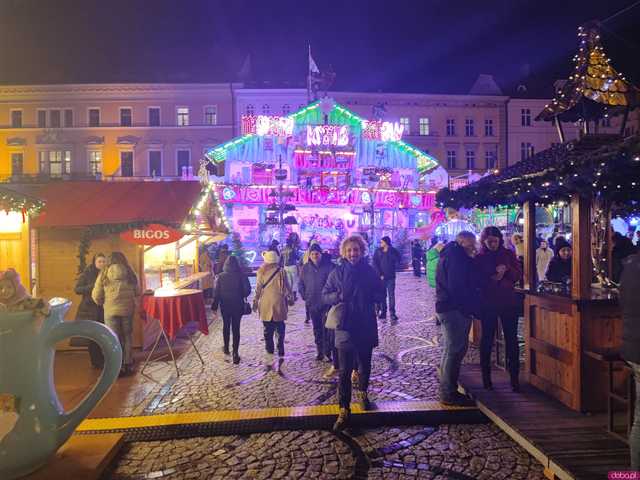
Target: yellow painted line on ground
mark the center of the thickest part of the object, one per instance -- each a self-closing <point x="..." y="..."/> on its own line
<point x="217" y="416"/>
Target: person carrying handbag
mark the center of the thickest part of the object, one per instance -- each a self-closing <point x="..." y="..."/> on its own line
<point x="358" y="287"/>
<point x="231" y="290"/>
<point x="273" y="296"/>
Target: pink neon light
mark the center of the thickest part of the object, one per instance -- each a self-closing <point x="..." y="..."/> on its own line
<point x="263" y="125"/>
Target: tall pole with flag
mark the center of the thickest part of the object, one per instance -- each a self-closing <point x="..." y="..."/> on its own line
<point x="312" y="78"/>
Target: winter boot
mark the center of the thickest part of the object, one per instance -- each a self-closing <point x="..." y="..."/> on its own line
<point x="343" y="420"/>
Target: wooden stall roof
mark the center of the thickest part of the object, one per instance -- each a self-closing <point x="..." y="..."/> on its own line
<point x="607" y="165"/>
<point x="72" y="204"/>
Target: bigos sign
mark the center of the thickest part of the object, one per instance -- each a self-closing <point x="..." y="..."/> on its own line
<point x="154" y="234"/>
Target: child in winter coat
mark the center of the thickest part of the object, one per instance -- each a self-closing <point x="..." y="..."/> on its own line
<point x="14" y="297"/>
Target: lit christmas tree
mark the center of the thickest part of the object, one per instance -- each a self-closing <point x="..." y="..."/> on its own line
<point x="594" y="90"/>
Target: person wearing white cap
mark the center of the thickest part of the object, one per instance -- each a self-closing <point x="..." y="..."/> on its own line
<point x="273" y="296"/>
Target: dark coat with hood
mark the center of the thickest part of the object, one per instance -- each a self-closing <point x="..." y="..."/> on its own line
<point x="88" y="309"/>
<point x="231" y="288"/>
<point x="360" y="288"/>
<point x="498" y="294"/>
<point x="630" y="303"/>
<point x="457" y="281"/>
<point x="312" y="281"/>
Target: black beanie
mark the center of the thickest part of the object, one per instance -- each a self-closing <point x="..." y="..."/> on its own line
<point x="315" y="248"/>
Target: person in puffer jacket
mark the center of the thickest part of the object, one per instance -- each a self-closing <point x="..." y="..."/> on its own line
<point x="117" y="289"/>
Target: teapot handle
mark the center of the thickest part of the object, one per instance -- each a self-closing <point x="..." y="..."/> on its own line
<point x="110" y="345"/>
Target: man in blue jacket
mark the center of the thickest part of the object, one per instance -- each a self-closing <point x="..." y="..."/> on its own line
<point x="630" y="303"/>
<point x="457" y="298"/>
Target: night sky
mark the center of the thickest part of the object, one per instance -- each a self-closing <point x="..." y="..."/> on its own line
<point x="432" y="46"/>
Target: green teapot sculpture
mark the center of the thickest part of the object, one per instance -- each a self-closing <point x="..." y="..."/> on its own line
<point x="33" y="423"/>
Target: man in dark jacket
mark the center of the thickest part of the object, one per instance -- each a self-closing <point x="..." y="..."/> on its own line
<point x="457" y="299"/>
<point x="313" y="276"/>
<point x="88" y="309"/>
<point x="630" y="303"/>
<point x="417" y="255"/>
<point x="385" y="261"/>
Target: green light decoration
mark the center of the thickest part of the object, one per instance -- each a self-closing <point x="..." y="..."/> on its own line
<point x="338" y="115"/>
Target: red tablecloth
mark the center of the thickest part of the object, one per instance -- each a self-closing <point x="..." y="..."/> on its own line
<point x="175" y="311"/>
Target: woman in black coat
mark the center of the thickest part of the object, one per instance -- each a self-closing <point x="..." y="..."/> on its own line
<point x="88" y="309"/>
<point x="231" y="289"/>
<point x="356" y="284"/>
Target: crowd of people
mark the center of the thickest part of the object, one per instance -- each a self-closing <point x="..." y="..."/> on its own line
<point x="345" y="298"/>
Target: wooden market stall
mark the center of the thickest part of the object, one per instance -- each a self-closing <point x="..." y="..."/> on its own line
<point x="16" y="210"/>
<point x="573" y="330"/>
<point x="152" y="223"/>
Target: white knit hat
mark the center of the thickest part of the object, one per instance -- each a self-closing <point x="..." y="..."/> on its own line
<point x="269" y="256"/>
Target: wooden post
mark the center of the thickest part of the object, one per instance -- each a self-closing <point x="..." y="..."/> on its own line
<point x="529" y="211"/>
<point x="559" y="128"/>
<point x="581" y="239"/>
<point x="624" y="120"/>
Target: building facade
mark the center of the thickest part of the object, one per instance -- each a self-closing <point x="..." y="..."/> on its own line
<point x="464" y="132"/>
<point x="116" y="131"/>
<point x="111" y="130"/>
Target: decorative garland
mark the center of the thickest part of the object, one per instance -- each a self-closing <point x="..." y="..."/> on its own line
<point x="610" y="171"/>
<point x="16" y="202"/>
<point x="102" y="230"/>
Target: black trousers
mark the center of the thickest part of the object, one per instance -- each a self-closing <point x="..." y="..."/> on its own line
<point x="95" y="354"/>
<point x="417" y="267"/>
<point x="330" y="347"/>
<point x="509" y="320"/>
<point x="317" y="319"/>
<point x="347" y="359"/>
<point x="269" y="329"/>
<point x="231" y="324"/>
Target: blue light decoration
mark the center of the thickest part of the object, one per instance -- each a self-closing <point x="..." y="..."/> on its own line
<point x="228" y="193"/>
<point x="366" y="197"/>
<point x="415" y="200"/>
<point x="634" y="221"/>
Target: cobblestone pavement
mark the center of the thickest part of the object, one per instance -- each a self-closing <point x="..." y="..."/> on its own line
<point x="404" y="369"/>
<point x="404" y="365"/>
<point x="462" y="452"/>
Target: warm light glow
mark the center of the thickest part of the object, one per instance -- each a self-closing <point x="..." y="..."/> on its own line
<point x="10" y="222"/>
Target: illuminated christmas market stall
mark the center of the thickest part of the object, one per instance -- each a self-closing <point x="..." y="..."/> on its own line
<point x="324" y="172"/>
<point x="573" y="327"/>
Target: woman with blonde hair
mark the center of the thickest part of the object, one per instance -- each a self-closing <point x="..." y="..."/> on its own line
<point x="117" y="289"/>
<point x="355" y="284"/>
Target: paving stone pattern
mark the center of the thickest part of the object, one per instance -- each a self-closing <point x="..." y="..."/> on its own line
<point x="404" y="369"/>
<point x="461" y="452"/>
<point x="404" y="365"/>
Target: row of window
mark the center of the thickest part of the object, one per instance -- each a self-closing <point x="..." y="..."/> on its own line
<point x="56" y="163"/>
<point x="424" y="127"/>
<point x="59" y="118"/>
<point x="490" y="159"/>
<point x="266" y="109"/>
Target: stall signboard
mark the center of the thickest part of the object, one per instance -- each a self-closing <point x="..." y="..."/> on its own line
<point x="153" y="234"/>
